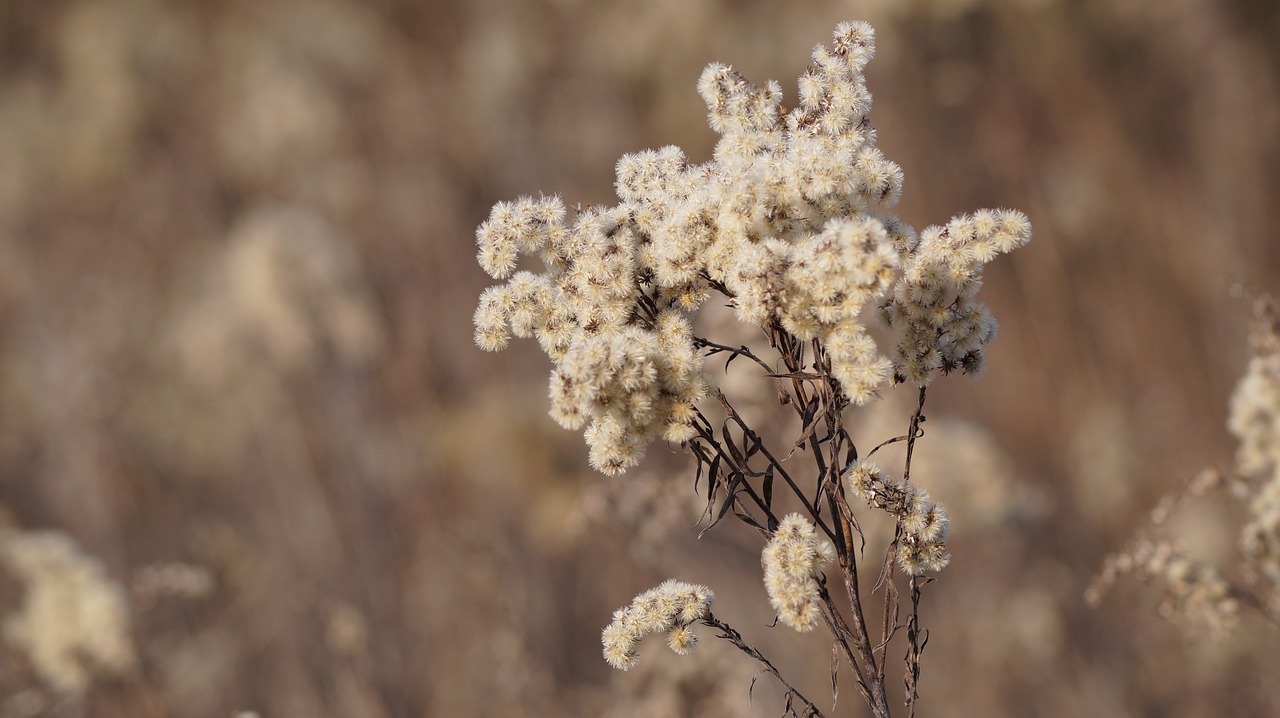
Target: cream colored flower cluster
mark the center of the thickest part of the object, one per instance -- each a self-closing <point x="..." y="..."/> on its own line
<point x="788" y="220"/>
<point x="922" y="542"/>
<point x="669" y="608"/>
<point x="625" y="368"/>
<point x="943" y="327"/>
<point x="632" y="384"/>
<point x="792" y="559"/>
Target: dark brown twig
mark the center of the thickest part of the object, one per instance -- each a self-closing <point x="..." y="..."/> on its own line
<point x="729" y="634"/>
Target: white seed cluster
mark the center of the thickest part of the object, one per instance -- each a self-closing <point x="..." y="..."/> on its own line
<point x="670" y="608"/>
<point x="789" y="220"/>
<point x="792" y="559"/>
<point x="625" y="369"/>
<point x="922" y="543"/>
<point x="1255" y="420"/>
<point x="943" y="327"/>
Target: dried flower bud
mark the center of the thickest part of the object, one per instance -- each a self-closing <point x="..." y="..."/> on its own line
<point x="864" y="476"/>
<point x="924" y="523"/>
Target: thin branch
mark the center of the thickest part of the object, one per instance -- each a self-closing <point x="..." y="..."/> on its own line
<point x="732" y="636"/>
<point x="915" y="646"/>
<point x="885" y="443"/>
<point x="781" y="470"/>
<point x="843" y="635"/>
<point x="889" y="627"/>
<point x="739" y="351"/>
<point x="913" y="433"/>
<point x="710" y="438"/>
<point x="877" y="700"/>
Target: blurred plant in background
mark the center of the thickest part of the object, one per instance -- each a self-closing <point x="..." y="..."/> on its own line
<point x="1195" y="591"/>
<point x="74" y="621"/>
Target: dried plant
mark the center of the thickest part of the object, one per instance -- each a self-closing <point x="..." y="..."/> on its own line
<point x="790" y="223"/>
<point x="1196" y="593"/>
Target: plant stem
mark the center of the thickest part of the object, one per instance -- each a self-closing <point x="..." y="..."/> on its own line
<point x="729" y="634"/>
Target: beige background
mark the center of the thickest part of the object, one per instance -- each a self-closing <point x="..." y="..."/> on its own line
<point x="236" y="283"/>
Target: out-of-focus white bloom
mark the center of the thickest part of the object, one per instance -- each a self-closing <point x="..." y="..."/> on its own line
<point x="1255" y="421"/>
<point x="74" y="621"/>
<point x="1195" y="593"/>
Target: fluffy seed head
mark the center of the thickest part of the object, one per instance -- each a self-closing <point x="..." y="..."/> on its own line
<point x="669" y="608"/>
<point x="791" y="561"/>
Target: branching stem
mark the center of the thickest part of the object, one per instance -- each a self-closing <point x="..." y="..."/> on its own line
<point x="809" y="710"/>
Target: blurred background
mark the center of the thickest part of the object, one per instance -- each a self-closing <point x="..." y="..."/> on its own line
<point x="251" y="459"/>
